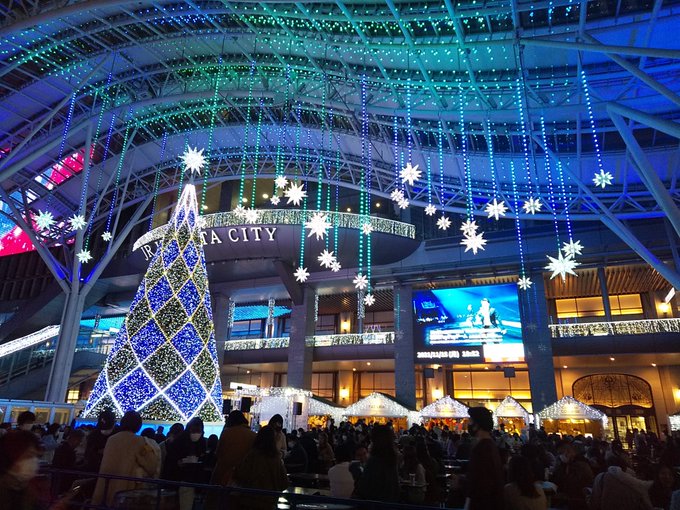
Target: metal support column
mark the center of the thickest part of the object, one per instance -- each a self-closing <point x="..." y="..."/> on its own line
<point x="602" y="277"/>
<point x="404" y="351"/>
<point x="300" y="356"/>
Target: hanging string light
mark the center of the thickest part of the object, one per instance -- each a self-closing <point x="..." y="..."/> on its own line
<point x="246" y="136"/>
<point x="157" y="179"/>
<point x="360" y="283"/>
<point x="106" y="236"/>
<point x="256" y="161"/>
<point x="524" y="281"/>
<point x="119" y="167"/>
<point x="572" y="248"/>
<point x="531" y="205"/>
<point x="495" y="208"/>
<point x="211" y="132"/>
<point x="279" y="177"/>
<point x="601" y="178"/>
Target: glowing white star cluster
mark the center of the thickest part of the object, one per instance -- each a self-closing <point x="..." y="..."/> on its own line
<point x="77" y="222"/>
<point x="524" y="283"/>
<point x="295" y="194"/>
<point x="318" y="225"/>
<point x="409" y="174"/>
<point x="360" y="281"/>
<point x="443" y="223"/>
<point x="193" y="160"/>
<point x="366" y="228"/>
<point x="369" y="299"/>
<point x="251" y="215"/>
<point x="603" y="179"/>
<point x="495" y="209"/>
<point x="106" y="236"/>
<point x="561" y="266"/>
<point x="83" y="256"/>
<point x="474" y="242"/>
<point x="281" y="181"/>
<point x="301" y="274"/>
<point x="532" y="205"/>
<point x="430" y="210"/>
<point x="326" y="259"/>
<point x="44" y="220"/>
<point x="469" y="227"/>
<point x="572" y="248"/>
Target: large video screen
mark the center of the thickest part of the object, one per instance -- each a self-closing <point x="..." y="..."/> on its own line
<point x="468" y="325"/>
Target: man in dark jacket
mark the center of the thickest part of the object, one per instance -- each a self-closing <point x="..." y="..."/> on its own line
<point x="96" y="441"/>
<point x="484" y="481"/>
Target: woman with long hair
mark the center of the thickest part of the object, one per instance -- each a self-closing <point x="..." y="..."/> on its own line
<point x="523" y="492"/>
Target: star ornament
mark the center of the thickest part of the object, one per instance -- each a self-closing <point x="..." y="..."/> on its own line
<point x="532" y="206"/>
<point x="561" y="266"/>
<point x="106" y="236"/>
<point x="469" y="227"/>
<point x="318" y="225"/>
<point x="430" y="210"/>
<point x="335" y="266"/>
<point x="603" y="179"/>
<point x="251" y="215"/>
<point x="572" y="248"/>
<point x="326" y="259"/>
<point x="403" y="203"/>
<point x="443" y="223"/>
<point x="409" y="174"/>
<point x="44" y="220"/>
<point x="397" y="195"/>
<point x="193" y="160"/>
<point x="77" y="222"/>
<point x="275" y="200"/>
<point x="495" y="209"/>
<point x="524" y="283"/>
<point x="83" y="256"/>
<point x="295" y="194"/>
<point x="360" y="281"/>
<point x="239" y="211"/>
<point x="369" y="299"/>
<point x="281" y="181"/>
<point x="301" y="274"/>
<point x="366" y="228"/>
<point x="474" y="242"/>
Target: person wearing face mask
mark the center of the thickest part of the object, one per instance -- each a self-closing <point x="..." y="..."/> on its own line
<point x="96" y="441"/>
<point x="19" y="464"/>
<point x="126" y="454"/>
<point x="184" y="461"/>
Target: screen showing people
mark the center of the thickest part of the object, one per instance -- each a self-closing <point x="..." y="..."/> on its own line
<point x="470" y="324"/>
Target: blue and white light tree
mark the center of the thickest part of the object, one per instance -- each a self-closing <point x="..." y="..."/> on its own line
<point x="164" y="361"/>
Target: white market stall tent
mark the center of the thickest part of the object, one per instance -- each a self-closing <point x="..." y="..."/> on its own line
<point x="512" y="415"/>
<point x="445" y="411"/>
<point x="674" y="421"/>
<point x="321" y="410"/>
<point x="381" y="408"/>
<point x="569" y="416"/>
<point x="291" y="403"/>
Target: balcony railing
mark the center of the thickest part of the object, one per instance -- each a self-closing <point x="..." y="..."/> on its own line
<point x="381" y="338"/>
<point x="638" y="327"/>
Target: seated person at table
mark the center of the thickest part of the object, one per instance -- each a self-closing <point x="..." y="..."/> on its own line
<point x="380" y="478"/>
<point x="413" y="472"/>
<point x="296" y="460"/>
<point x="523" y="492"/>
<point x="339" y="476"/>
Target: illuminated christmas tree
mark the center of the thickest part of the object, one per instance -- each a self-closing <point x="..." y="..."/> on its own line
<point x="164" y="360"/>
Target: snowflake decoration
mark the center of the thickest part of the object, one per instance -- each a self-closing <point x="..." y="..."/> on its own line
<point x="403" y="203"/>
<point x="603" y="179"/>
<point x="318" y="225"/>
<point x="281" y="181"/>
<point x="301" y="274"/>
<point x="495" y="209"/>
<point x="532" y="206"/>
<point x="524" y="283"/>
<point x="295" y="193"/>
<point x="369" y="299"/>
<point x="561" y="266"/>
<point x="239" y="211"/>
<point x="409" y="174"/>
<point x="193" y="160"/>
<point x="83" y="256"/>
<point x="572" y="248"/>
<point x="77" y="222"/>
<point x="397" y="195"/>
<point x="443" y="223"/>
<point x="275" y="200"/>
<point x="360" y="281"/>
<point x="326" y="259"/>
<point x="430" y="210"/>
<point x="106" y="236"/>
<point x="335" y="266"/>
<point x="469" y="227"/>
<point x="251" y="215"/>
<point x="366" y="228"/>
<point x="44" y="220"/>
<point x="474" y="242"/>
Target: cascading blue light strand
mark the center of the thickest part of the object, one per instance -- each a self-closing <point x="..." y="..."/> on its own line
<point x="523" y="122"/>
<point x="246" y="135"/>
<point x="211" y="133"/>
<point x="256" y="160"/>
<point x="591" y="118"/>
<point x="336" y="246"/>
<point x="469" y="206"/>
<point x="327" y="238"/>
<point x="157" y="179"/>
<point x="518" y="226"/>
<point x="551" y="191"/>
<point x="395" y="148"/>
<point x="428" y="170"/>
<point x="119" y="167"/>
<point x="283" y="132"/>
<point x="362" y="185"/>
<point x="440" y="153"/>
<point x="409" y="121"/>
<point x="492" y="163"/>
<point x="565" y="200"/>
<point x="368" y="175"/>
<point x="98" y="190"/>
<point x="321" y="168"/>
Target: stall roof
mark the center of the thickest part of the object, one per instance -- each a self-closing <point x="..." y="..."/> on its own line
<point x="570" y="408"/>
<point x="377" y="404"/>
<point x="445" y="407"/>
<point x="321" y="407"/>
<point x="510" y="408"/>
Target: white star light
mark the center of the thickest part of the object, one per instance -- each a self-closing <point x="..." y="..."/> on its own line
<point x="603" y="179"/>
<point x="360" y="281"/>
<point x="469" y="227"/>
<point x="318" y="225"/>
<point x="561" y="266"/>
<point x="495" y="209"/>
<point x="295" y="193"/>
<point x="326" y="259"/>
<point x="474" y="242"/>
<point x="240" y="211"/>
<point x="430" y="210"/>
<point x="77" y="222"/>
<point x="524" y="283"/>
<point x="532" y="206"/>
<point x="301" y="274"/>
<point x="281" y="181"/>
<point x="251" y="215"/>
<point x="369" y="299"/>
<point x="409" y="174"/>
<point x="572" y="248"/>
<point x="443" y="223"/>
<point x="193" y="160"/>
<point x="275" y="200"/>
<point x="83" y="256"/>
<point x="44" y="220"/>
<point x="397" y="195"/>
<point x="403" y="203"/>
<point x="106" y="236"/>
<point x="366" y="228"/>
<point x="335" y="266"/>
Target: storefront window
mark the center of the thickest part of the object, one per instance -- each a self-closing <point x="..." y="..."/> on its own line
<point x="382" y="382"/>
<point x="323" y="385"/>
<point x="585" y="307"/>
<point x="489" y="387"/>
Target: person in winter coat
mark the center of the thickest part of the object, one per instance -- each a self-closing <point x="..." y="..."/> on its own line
<point x="616" y="489"/>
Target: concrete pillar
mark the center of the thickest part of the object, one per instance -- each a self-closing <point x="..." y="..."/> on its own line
<point x="220" y="310"/>
<point x="538" y="343"/>
<point x="602" y="277"/>
<point x="404" y="352"/>
<point x="300" y="356"/>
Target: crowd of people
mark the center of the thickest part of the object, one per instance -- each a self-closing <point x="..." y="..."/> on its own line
<point x="481" y="469"/>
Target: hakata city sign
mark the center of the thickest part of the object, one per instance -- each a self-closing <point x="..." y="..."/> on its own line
<point x="219" y="236"/>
